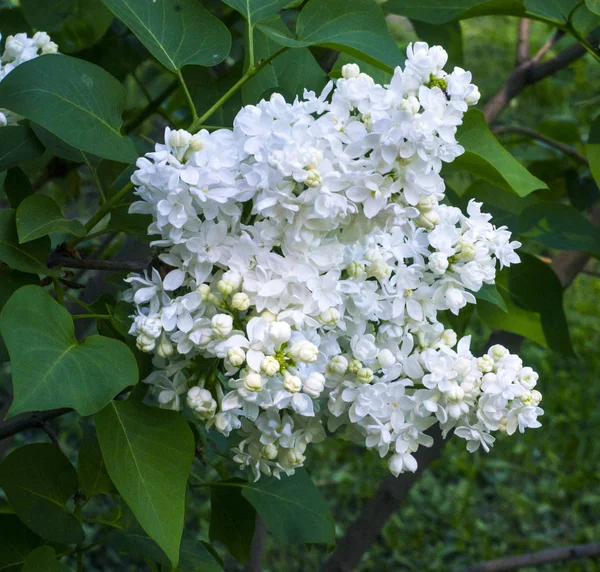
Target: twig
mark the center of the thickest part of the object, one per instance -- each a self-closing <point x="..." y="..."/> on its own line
<point x="26" y="421"/>
<point x="528" y="73"/>
<point x="523" y="41"/>
<point x="558" y="34"/>
<point x="48" y="430"/>
<point x="533" y="134"/>
<point x="538" y="558"/>
<point x="152" y="107"/>
<point x="107" y="265"/>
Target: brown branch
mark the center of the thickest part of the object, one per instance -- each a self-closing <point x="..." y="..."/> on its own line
<point x="558" y="34"/>
<point x="533" y="134"/>
<point x="257" y="548"/>
<point x="523" y="41"/>
<point x="105" y="265"/>
<point x="528" y="73"/>
<point x="24" y="421"/>
<point x="538" y="558"/>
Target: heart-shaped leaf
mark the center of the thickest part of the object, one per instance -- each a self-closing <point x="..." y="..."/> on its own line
<point x="50" y="369"/>
<point x="148" y="454"/>
<point x="356" y="27"/>
<point x="16" y="542"/>
<point x="17" y="186"/>
<point x="30" y="257"/>
<point x="18" y="144"/>
<point x="44" y="558"/>
<point x="177" y="32"/>
<point x="74" y="99"/>
<point x="38" y="479"/>
<point x="486" y="158"/>
<point x="40" y="215"/>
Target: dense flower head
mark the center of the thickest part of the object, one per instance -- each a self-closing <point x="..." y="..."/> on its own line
<point x="17" y="50"/>
<point x="309" y="252"/>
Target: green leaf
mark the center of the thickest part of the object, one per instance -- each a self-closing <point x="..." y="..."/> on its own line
<point x="486" y="158"/>
<point x="50" y="368"/>
<point x="559" y="226"/>
<point x="554" y="10"/>
<point x="193" y="556"/>
<point x="44" y="558"/>
<point x="444" y="11"/>
<point x="592" y="149"/>
<point x="148" y="454"/>
<point x="560" y="128"/>
<point x="74" y="99"/>
<point x="18" y="144"/>
<point x="38" y="479"/>
<point x="17" y="186"/>
<point x="232" y="519"/>
<point x="46" y="15"/>
<point x="30" y="257"/>
<point x="93" y="476"/>
<point x="293" y="509"/>
<point x="10" y="282"/>
<point x="256" y="11"/>
<point x="593" y="6"/>
<point x="490" y="293"/>
<point x="57" y="146"/>
<point x="355" y="27"/>
<point x="40" y="215"/>
<point x="289" y="74"/>
<point x="177" y="32"/>
<point x="13" y="21"/>
<point x="16" y="542"/>
<point x="448" y="35"/>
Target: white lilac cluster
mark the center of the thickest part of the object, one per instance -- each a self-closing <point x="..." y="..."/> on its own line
<point x="305" y="256"/>
<point x="17" y="50"/>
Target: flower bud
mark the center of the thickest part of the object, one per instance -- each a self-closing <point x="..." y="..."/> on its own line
<point x="455" y="393"/>
<point x="485" y="364"/>
<point x="253" y="381"/>
<point x="204" y="289"/>
<point x="290" y="458"/>
<point x="164" y="349"/>
<point x="365" y="375"/>
<point x="410" y="104"/>
<point x="179" y="138"/>
<point x="240" y="301"/>
<point x="380" y="270"/>
<point x="313" y="179"/>
<point x="280" y="333"/>
<point x="497" y="351"/>
<point x="202" y="402"/>
<point x="225" y="287"/>
<point x="426" y="203"/>
<point x="304" y="351"/>
<point x="429" y="219"/>
<point x="314" y="385"/>
<point x="473" y="97"/>
<point x="145" y="343"/>
<point x="356" y="270"/>
<point x="528" y="378"/>
<point x="196" y="142"/>
<point x="438" y="263"/>
<point x="330" y="317"/>
<point x="350" y="71"/>
<point x="236" y="356"/>
<point x="222" y="325"/>
<point x="269" y="365"/>
<point x="536" y="397"/>
<point x="338" y="365"/>
<point x="270" y="451"/>
<point x="354" y="366"/>
<point x="292" y="383"/>
<point x="268" y="316"/>
<point x="449" y="338"/>
<point x="386" y="358"/>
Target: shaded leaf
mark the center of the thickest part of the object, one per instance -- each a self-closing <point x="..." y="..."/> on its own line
<point x="232" y="519"/>
<point x="193" y="556"/>
<point x="57" y="146"/>
<point x="76" y="100"/>
<point x="50" y="368"/>
<point x="592" y="149"/>
<point x="44" y="558"/>
<point x="38" y="479"/>
<point x="444" y="11"/>
<point x="293" y="509"/>
<point x="257" y="10"/>
<point x="16" y="542"/>
<point x="490" y="293"/>
<point x="177" y="32"/>
<point x="17" y="186"/>
<point x="356" y="27"/>
<point x="593" y="6"/>
<point x="486" y="158"/>
<point x="39" y="215"/>
<point x="559" y="226"/>
<point x="18" y="144"/>
<point x="30" y="257"/>
<point x="93" y="477"/>
<point x="148" y="454"/>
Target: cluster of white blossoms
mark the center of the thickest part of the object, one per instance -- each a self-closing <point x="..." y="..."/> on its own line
<point x="17" y="50"/>
<point x="307" y="256"/>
